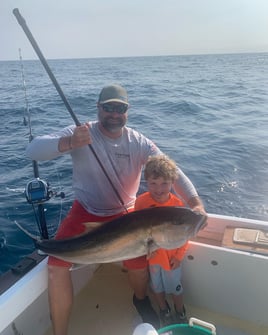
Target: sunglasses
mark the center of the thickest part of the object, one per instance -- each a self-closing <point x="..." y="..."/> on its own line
<point x="110" y="108"/>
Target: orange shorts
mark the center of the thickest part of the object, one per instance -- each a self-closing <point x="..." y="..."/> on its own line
<point x="72" y="225"/>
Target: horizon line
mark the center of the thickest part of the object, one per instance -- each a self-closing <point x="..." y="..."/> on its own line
<point x="142" y="56"/>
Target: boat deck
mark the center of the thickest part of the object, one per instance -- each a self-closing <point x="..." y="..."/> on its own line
<point x="104" y="306"/>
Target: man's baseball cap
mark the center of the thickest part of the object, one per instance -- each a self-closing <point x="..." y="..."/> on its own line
<point x="113" y="93"/>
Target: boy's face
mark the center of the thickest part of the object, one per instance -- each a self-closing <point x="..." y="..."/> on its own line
<point x="159" y="188"/>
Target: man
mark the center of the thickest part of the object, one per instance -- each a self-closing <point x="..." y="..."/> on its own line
<point x="102" y="191"/>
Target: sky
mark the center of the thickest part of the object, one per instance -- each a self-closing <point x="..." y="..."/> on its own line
<point x="122" y="28"/>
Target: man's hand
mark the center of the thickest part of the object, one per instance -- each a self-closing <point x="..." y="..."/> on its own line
<point x="197" y="206"/>
<point x="81" y="136"/>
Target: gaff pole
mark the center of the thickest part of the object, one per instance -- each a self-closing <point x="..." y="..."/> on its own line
<point x="30" y="37"/>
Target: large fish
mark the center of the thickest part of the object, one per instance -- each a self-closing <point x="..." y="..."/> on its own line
<point x="134" y="234"/>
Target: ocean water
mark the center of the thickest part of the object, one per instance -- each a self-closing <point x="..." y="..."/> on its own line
<point x="208" y="112"/>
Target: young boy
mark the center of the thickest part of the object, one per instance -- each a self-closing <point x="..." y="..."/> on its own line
<point x="164" y="265"/>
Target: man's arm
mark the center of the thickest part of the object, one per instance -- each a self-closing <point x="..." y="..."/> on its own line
<point x="196" y="204"/>
<point x="185" y="189"/>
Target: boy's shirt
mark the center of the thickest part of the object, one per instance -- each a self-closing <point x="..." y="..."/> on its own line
<point x="161" y="256"/>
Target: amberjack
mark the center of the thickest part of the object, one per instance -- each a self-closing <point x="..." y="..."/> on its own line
<point x="131" y="235"/>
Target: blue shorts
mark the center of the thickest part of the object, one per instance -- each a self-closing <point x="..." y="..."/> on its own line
<point x="168" y="281"/>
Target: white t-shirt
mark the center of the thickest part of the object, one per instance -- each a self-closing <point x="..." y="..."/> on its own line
<point x="123" y="159"/>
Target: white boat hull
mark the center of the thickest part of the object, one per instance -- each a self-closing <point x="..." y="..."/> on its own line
<point x="24" y="306"/>
<point x="228" y="282"/>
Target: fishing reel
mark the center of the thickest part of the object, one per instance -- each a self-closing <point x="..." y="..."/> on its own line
<point x="37" y="191"/>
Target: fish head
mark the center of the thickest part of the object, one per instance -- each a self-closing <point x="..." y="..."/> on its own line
<point x="177" y="227"/>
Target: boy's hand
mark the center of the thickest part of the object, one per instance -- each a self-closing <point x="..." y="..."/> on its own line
<point x="174" y="263"/>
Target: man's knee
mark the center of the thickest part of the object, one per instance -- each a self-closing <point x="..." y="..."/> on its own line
<point x="139" y="274"/>
<point x="136" y="263"/>
<point x="58" y="274"/>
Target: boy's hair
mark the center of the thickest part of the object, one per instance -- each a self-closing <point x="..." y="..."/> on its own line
<point x="161" y="166"/>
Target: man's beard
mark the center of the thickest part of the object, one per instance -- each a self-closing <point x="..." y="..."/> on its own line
<point x="112" y="127"/>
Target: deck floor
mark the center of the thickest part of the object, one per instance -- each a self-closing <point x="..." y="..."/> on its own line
<point x="104" y="307"/>
<point x="105" y="304"/>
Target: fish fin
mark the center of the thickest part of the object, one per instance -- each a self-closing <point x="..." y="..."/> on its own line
<point x="151" y="248"/>
<point x="34" y="237"/>
<point x="90" y="226"/>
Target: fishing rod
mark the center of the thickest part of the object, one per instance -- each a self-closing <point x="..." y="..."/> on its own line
<point x="36" y="190"/>
<point x="34" y="44"/>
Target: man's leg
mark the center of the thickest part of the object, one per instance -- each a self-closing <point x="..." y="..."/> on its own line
<point x="60" y="288"/>
<point x="60" y="294"/>
<point x="138" y="280"/>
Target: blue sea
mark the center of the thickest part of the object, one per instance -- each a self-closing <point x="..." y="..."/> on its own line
<point x="208" y="112"/>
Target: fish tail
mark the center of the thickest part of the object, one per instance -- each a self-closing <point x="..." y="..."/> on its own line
<point x="34" y="237"/>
